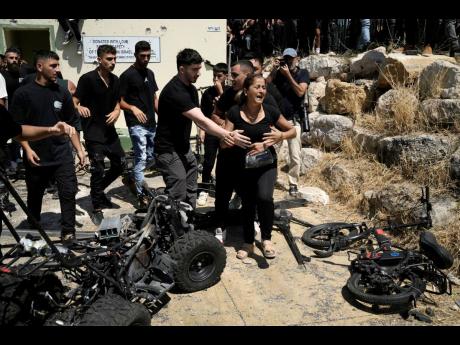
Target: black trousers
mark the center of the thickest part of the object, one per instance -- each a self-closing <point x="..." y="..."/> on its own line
<point x="211" y="146"/>
<point x="100" y="179"/>
<point x="257" y="186"/>
<point x="227" y="173"/>
<point x="180" y="173"/>
<point x="66" y="24"/>
<point x="37" y="179"/>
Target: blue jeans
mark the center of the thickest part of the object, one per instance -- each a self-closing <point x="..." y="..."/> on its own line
<point x="365" y="37"/>
<point x="142" y="139"/>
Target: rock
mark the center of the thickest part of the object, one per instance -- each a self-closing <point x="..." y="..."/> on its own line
<point x="415" y="149"/>
<point x="311" y="120"/>
<point x="328" y="131"/>
<point x="454" y="280"/>
<point x="343" y="98"/>
<point x="313" y="195"/>
<point x="367" y="65"/>
<point x="367" y="141"/>
<point x="325" y="66"/>
<point x="455" y="165"/>
<point x="395" y="102"/>
<point x="441" y="79"/>
<point x="310" y="157"/>
<point x="397" y="200"/>
<point x="370" y="88"/>
<point x="283" y="153"/>
<point x="441" y="111"/>
<point x="338" y="176"/>
<point x="316" y="90"/>
<point x="402" y="69"/>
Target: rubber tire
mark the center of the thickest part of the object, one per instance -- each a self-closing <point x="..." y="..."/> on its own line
<point x="114" y="310"/>
<point x="185" y="249"/>
<point x="309" y="235"/>
<point x="14" y="299"/>
<point x="390" y="300"/>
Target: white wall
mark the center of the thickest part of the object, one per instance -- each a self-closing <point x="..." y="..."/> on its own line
<point x="175" y="34"/>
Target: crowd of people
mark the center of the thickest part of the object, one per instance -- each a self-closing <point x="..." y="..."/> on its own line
<point x="242" y="120"/>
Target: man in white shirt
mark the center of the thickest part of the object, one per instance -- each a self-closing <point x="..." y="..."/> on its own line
<point x="3" y="93"/>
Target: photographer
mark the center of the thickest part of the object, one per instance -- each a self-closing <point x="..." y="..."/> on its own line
<point x="292" y="82"/>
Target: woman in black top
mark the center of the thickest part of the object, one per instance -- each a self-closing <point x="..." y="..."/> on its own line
<point x="265" y="126"/>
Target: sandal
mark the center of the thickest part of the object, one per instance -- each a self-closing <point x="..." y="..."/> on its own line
<point x="245" y="250"/>
<point x="268" y="250"/>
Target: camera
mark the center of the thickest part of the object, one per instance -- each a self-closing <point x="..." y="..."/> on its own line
<point x="282" y="62"/>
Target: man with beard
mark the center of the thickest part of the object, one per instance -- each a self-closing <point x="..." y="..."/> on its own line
<point x="139" y="102"/>
<point x="97" y="101"/>
<point x="43" y="103"/>
<point x="178" y="106"/>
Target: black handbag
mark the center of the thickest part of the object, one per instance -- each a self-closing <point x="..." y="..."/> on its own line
<point x="260" y="159"/>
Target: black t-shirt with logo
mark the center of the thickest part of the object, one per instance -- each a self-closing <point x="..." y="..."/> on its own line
<point x="174" y="128"/>
<point x="100" y="100"/>
<point x="137" y="86"/>
<point x="37" y="105"/>
<point x="292" y="104"/>
<point x="254" y="131"/>
<point x="12" y="81"/>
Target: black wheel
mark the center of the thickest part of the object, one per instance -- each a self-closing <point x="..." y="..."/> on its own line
<point x="318" y="236"/>
<point x="200" y="260"/>
<point x="114" y="310"/>
<point x="396" y="293"/>
<point x="15" y="295"/>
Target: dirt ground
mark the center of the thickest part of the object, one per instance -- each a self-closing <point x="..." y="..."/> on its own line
<point x="258" y="292"/>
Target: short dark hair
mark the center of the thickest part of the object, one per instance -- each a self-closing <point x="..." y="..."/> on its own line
<point x="106" y="49"/>
<point x="251" y="55"/>
<point x="13" y="50"/>
<point x="188" y="57"/>
<point x="44" y="55"/>
<point x="220" y="67"/>
<point x="245" y="64"/>
<point x="141" y="46"/>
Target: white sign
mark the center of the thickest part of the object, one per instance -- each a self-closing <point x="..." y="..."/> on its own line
<point x="213" y="28"/>
<point x="124" y="46"/>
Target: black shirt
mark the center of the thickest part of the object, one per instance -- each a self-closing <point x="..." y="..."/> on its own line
<point x="254" y="131"/>
<point x="12" y="81"/>
<point x="37" y="105"/>
<point x="207" y="100"/>
<point x="292" y="104"/>
<point x="100" y="100"/>
<point x="174" y="128"/>
<point x="9" y="128"/>
<point x="138" y="86"/>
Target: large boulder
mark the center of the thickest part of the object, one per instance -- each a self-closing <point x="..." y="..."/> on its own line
<point x="402" y="204"/>
<point x="370" y="88"/>
<point x="415" y="149"/>
<point x="310" y="158"/>
<point x="441" y="79"/>
<point x="441" y="111"/>
<point x="328" y="131"/>
<point x="455" y="165"/>
<point x="400" y="69"/>
<point x="316" y="90"/>
<point x="366" y="140"/>
<point x="367" y="65"/>
<point x="396" y="101"/>
<point x="311" y="120"/>
<point x="338" y="176"/>
<point x="343" y="98"/>
<point x="325" y="66"/>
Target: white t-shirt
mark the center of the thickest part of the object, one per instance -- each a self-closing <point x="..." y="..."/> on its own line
<point x="3" y="93"/>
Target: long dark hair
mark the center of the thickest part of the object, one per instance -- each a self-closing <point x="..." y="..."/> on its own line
<point x="247" y="83"/>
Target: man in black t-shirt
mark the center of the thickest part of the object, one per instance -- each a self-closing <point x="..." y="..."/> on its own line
<point x="43" y="103"/>
<point x="292" y="82"/>
<point x="97" y="101"/>
<point x="139" y="102"/>
<point x="208" y="100"/>
<point x="177" y="107"/>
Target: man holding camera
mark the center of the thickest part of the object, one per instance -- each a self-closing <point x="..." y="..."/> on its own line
<point x="292" y="82"/>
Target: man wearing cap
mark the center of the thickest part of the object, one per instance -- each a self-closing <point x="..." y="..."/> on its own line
<point x="292" y="82"/>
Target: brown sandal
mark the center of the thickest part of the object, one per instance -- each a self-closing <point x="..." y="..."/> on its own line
<point x="245" y="251"/>
<point x="268" y="250"/>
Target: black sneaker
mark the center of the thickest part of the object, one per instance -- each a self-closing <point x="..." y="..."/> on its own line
<point x="97" y="216"/>
<point x="293" y="191"/>
<point x="79" y="47"/>
<point x="67" y="38"/>
<point x="70" y="241"/>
